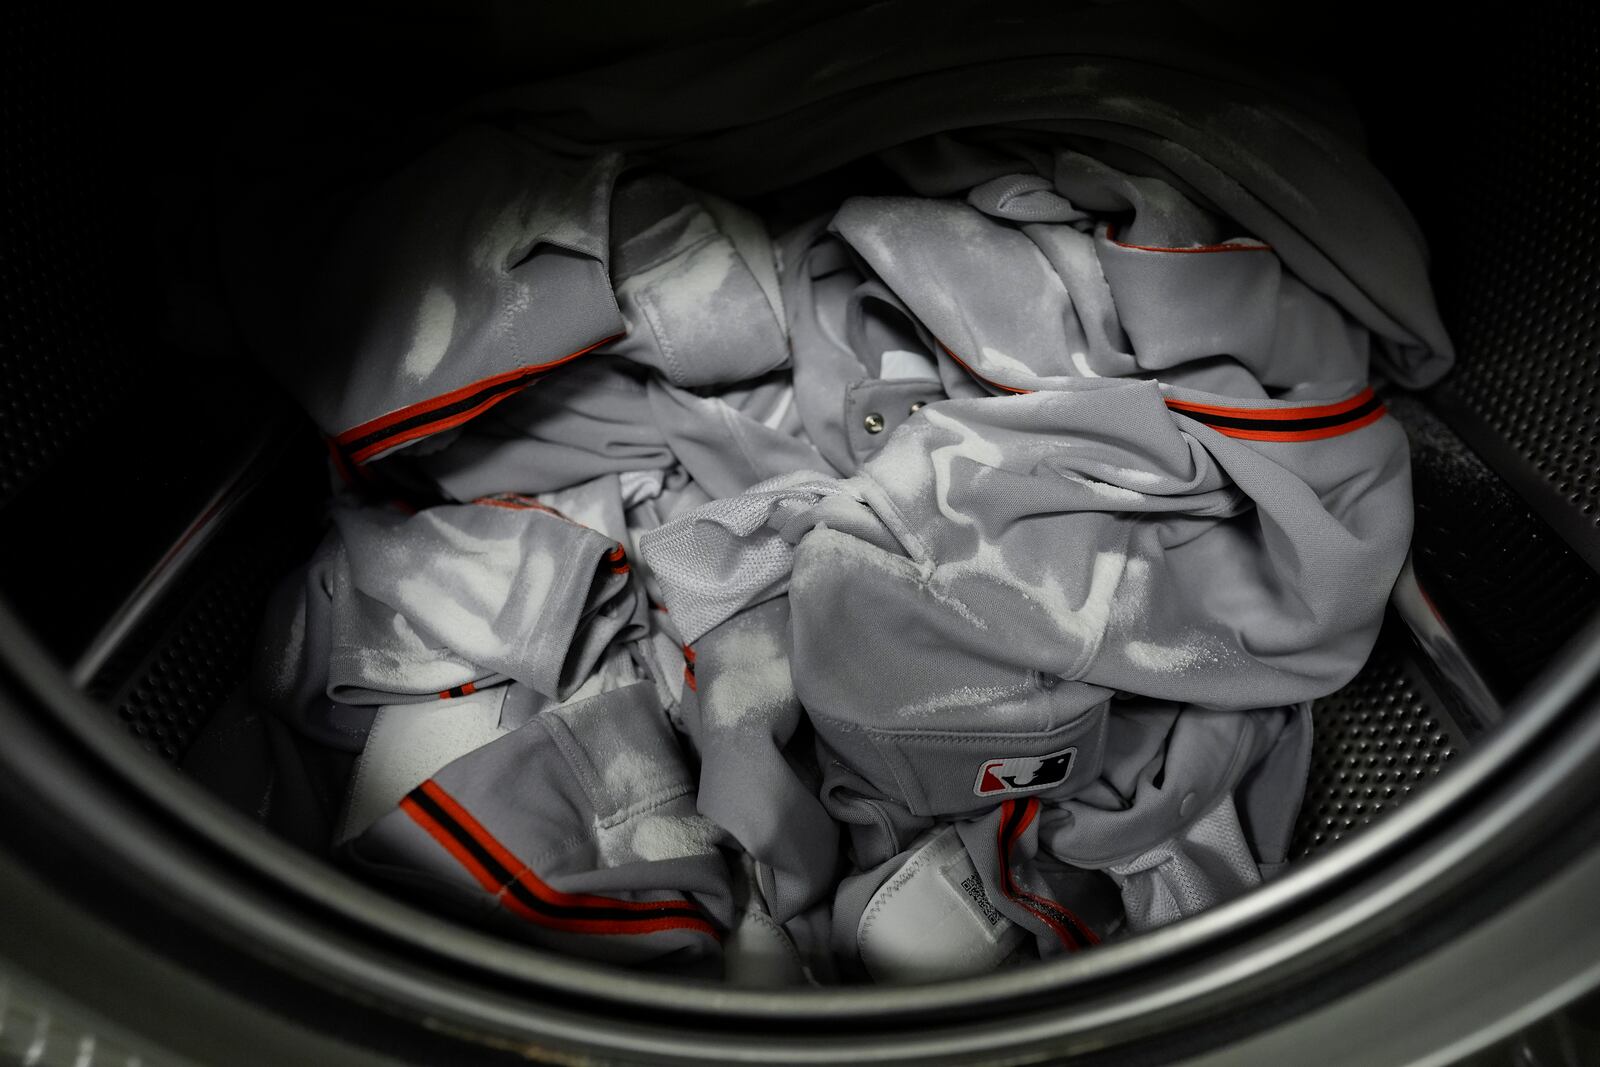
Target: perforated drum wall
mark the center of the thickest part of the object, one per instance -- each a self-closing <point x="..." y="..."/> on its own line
<point x="1377" y="740"/>
<point x="1526" y="315"/>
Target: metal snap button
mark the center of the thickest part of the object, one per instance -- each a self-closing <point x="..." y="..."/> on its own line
<point x="873" y="423"/>
<point x="918" y="406"/>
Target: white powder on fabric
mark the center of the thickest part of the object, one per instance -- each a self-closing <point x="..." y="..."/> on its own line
<point x="1135" y="476"/>
<point x="1171" y="659"/>
<point x="969" y="445"/>
<point x="630" y="775"/>
<point x="1082" y="623"/>
<point x="752" y="677"/>
<point x="1114" y="494"/>
<point x="511" y="311"/>
<point x="464" y="594"/>
<point x="293" y="651"/>
<point x="967" y="697"/>
<point x="1080" y="363"/>
<point x="1085" y="621"/>
<point x="696" y="283"/>
<point x="461" y="626"/>
<point x="417" y="669"/>
<point x="1134" y="592"/>
<point x="670" y="837"/>
<point x="903" y="467"/>
<point x="871" y="556"/>
<point x="958" y="606"/>
<point x="1009" y="366"/>
<point x="430" y="337"/>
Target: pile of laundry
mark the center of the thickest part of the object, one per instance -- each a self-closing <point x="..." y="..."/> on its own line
<point x="934" y="585"/>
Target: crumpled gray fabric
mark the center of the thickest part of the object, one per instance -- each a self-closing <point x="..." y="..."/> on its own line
<point x="762" y="953"/>
<point x="1005" y="565"/>
<point x="471" y="594"/>
<point x="696" y="282"/>
<point x="858" y="351"/>
<point x="1145" y="85"/>
<point x="732" y="439"/>
<point x="1006" y="518"/>
<point x="576" y="831"/>
<point x="1153" y="518"/>
<point x="583" y="421"/>
<point x="1164" y="818"/>
<point x="1173" y="291"/>
<point x="736" y="540"/>
<point x="740" y="714"/>
<point x="470" y="270"/>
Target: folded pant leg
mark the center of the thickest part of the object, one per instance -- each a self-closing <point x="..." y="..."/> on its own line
<point x="458" y="597"/>
<point x="1163" y="820"/>
<point x="740" y="711"/>
<point x="577" y="831"/>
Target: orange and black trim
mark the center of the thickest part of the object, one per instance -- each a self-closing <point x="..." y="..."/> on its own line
<point x="524" y="894"/>
<point x="1072" y="931"/>
<point x="688" y="670"/>
<point x="464" y="690"/>
<point x="618" y="560"/>
<point x="1308" y="423"/>
<point x="1287" y="424"/>
<point x="359" y="444"/>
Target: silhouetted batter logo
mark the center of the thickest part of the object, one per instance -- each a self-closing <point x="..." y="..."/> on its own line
<point x="1024" y="774"/>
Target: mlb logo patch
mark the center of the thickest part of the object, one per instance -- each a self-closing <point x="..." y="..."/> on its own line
<point x="1024" y="774"/>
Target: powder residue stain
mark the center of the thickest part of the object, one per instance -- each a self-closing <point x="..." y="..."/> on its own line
<point x="292" y="651"/>
<point x="1082" y="621"/>
<point x="630" y="774"/>
<point x="410" y="668"/>
<point x="1086" y="621"/>
<point x="481" y="594"/>
<point x="966" y="698"/>
<point x="1111" y="494"/>
<point x="1195" y="653"/>
<point x="745" y="676"/>
<point x="1135" y="476"/>
<point x="1134" y="594"/>
<point x="1008" y="365"/>
<point x="698" y="281"/>
<point x="670" y="837"/>
<point x="968" y="445"/>
<point x="903" y="467"/>
<point x="430" y="337"/>
<point x="1078" y="621"/>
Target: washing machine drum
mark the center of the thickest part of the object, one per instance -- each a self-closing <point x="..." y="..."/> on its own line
<point x="1270" y="708"/>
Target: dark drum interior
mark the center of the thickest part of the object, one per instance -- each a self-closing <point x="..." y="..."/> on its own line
<point x="155" y="484"/>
